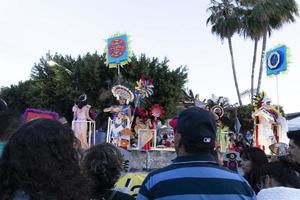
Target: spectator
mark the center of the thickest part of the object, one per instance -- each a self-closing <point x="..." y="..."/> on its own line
<point x="103" y="164"/>
<point x="9" y="123"/>
<point x="279" y="182"/>
<point x="252" y="160"/>
<point x="195" y="173"/>
<point x="294" y="145"/>
<point x="40" y="162"/>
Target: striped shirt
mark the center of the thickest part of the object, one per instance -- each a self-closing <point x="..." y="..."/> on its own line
<point x="195" y="177"/>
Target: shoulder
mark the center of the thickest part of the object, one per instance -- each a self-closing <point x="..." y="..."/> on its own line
<point x="281" y="193"/>
<point x="74" y="108"/>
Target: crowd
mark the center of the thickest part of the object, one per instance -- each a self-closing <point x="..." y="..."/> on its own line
<point x="42" y="159"/>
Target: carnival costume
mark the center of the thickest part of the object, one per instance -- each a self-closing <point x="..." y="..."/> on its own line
<point x="80" y="118"/>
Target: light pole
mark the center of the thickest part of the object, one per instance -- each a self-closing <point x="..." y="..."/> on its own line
<point x="52" y="63"/>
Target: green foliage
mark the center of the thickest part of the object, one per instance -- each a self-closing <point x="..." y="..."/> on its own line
<point x="57" y="89"/>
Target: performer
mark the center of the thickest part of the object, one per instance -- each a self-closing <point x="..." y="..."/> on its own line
<point x="80" y="118"/>
<point x="270" y="125"/>
<point x="119" y="130"/>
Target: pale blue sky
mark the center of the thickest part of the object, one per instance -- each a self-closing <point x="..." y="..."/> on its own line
<point x="172" y="28"/>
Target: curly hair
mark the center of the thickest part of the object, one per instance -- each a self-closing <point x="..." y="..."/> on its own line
<point x="40" y="160"/>
<point x="102" y="165"/>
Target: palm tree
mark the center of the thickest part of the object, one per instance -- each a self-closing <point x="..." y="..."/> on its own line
<point x="271" y="15"/>
<point x="225" y="22"/>
<point x="250" y="29"/>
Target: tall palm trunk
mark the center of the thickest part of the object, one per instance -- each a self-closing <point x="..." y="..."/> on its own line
<point x="261" y="62"/>
<point x="233" y="71"/>
<point x="253" y="69"/>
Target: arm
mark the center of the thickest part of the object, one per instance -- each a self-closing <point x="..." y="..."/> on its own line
<point x="107" y="109"/>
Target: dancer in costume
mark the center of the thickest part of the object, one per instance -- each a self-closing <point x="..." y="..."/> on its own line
<point x="80" y="118"/>
<point x="119" y="130"/>
<point x="270" y="125"/>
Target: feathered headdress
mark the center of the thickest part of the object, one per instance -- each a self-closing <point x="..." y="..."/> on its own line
<point x="120" y="91"/>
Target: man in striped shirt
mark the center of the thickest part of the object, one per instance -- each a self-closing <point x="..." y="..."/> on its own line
<point x="195" y="174"/>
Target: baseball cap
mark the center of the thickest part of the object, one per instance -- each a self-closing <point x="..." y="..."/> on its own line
<point x="199" y="125"/>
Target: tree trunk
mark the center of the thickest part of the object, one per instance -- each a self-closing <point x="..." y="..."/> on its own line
<point x="261" y="62"/>
<point x="233" y="71"/>
<point x="253" y="69"/>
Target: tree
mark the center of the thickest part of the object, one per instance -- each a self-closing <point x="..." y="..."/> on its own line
<point x="56" y="89"/>
<point x="262" y="17"/>
<point x="250" y="29"/>
<point x="225" y="21"/>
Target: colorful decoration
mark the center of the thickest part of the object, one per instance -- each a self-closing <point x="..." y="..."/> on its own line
<point x="143" y="89"/>
<point x="117" y="51"/>
<point x="279" y="149"/>
<point x="120" y="91"/>
<point x="232" y="160"/>
<point x="276" y="60"/>
<point x="157" y="111"/>
<point x="32" y="114"/>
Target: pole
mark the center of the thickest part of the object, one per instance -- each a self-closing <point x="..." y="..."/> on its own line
<point x="277" y="90"/>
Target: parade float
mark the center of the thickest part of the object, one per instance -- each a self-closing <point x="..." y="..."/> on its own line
<point x="270" y="125"/>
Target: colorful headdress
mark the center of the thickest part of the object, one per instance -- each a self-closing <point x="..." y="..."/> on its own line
<point x="120" y="91"/>
<point x="117" y="50"/>
<point x="157" y="111"/>
<point x="83" y="97"/>
<point x="259" y="100"/>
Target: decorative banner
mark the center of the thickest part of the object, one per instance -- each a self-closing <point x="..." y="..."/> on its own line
<point x="117" y="51"/>
<point x="276" y="60"/>
<point x="131" y="183"/>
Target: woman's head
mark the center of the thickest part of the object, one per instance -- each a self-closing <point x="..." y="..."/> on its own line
<point x="82" y="101"/>
<point x="102" y="165"/>
<point x="40" y="158"/>
<point x="252" y="158"/>
<point x="278" y="174"/>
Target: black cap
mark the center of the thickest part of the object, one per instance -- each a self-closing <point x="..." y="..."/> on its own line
<point x="198" y="125"/>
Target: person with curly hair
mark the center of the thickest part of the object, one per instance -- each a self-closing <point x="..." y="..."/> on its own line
<point x="102" y="164"/>
<point x="40" y="162"/>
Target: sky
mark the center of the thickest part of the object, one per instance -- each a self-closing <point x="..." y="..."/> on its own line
<point x="174" y="29"/>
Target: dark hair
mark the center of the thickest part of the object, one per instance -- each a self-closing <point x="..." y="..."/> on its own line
<point x="102" y="164"/>
<point x="194" y="147"/>
<point x="282" y="173"/>
<point x="258" y="158"/>
<point x="40" y="160"/>
<point x="9" y="123"/>
<point x="82" y="101"/>
<point x="295" y="136"/>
